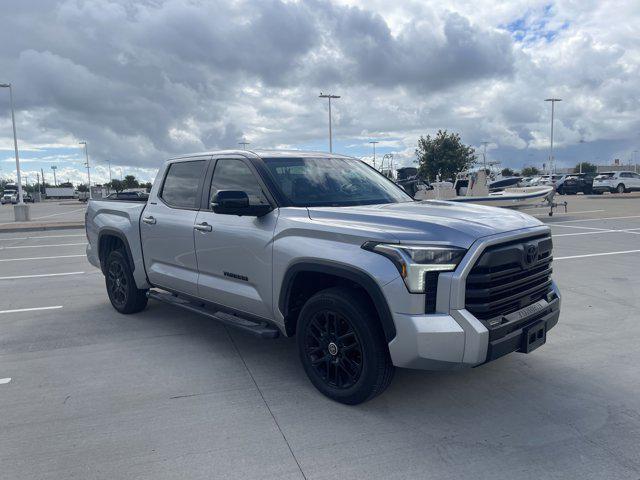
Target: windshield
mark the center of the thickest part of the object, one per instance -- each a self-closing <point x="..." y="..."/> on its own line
<point x="338" y="182"/>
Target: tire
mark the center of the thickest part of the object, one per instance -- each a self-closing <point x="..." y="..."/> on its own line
<point x="342" y="346"/>
<point x="125" y="297"/>
<point x="620" y="188"/>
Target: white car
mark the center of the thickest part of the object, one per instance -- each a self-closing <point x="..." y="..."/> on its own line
<point x="8" y="197"/>
<point x="616" y="182"/>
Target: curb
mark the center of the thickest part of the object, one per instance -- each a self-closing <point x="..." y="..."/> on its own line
<point x="34" y="226"/>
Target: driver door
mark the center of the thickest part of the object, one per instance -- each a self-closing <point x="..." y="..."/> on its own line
<point x="234" y="253"/>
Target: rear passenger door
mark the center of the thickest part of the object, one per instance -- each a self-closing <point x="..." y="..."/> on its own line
<point x="166" y="227"/>
<point x="635" y="181"/>
<point x="235" y="253"/>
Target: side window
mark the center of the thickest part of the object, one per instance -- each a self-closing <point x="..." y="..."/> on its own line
<point x="232" y="174"/>
<point x="624" y="175"/>
<point x="180" y="188"/>
<point x="635" y="175"/>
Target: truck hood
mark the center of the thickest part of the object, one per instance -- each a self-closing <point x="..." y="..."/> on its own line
<point x="426" y="221"/>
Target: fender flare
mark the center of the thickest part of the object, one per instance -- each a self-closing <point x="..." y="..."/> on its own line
<point x="348" y="272"/>
<point x="123" y="238"/>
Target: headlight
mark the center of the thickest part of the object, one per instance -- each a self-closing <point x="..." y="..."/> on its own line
<point x="415" y="261"/>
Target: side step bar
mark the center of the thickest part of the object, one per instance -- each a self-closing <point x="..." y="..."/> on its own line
<point x="259" y="329"/>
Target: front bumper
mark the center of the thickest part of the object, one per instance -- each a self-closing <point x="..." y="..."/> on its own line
<point x="459" y="340"/>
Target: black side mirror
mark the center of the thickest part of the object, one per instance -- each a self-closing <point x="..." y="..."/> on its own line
<point x="235" y="202"/>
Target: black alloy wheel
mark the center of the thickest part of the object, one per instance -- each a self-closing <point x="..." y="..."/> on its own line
<point x="123" y="293"/>
<point x="334" y="349"/>
<point x="342" y="347"/>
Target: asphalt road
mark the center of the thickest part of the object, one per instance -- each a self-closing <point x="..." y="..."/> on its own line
<point x="168" y="394"/>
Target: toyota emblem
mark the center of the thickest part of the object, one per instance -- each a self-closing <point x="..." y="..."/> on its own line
<point x="531" y="254"/>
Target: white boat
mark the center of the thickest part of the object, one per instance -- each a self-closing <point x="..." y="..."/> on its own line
<point x="472" y="188"/>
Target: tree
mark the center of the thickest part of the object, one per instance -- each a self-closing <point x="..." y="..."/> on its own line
<point x="147" y="186"/>
<point x="65" y="185"/>
<point x="586" y="167"/>
<point x="117" y="185"/>
<point x="443" y="155"/>
<point x="530" y="171"/>
<point x="507" y="172"/>
<point x="83" y="188"/>
<point x="130" y="182"/>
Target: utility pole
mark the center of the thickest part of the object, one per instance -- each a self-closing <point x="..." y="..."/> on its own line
<point x="373" y="142"/>
<point x="109" y="161"/>
<point x="329" y="97"/>
<point x="44" y="183"/>
<point x="551" y="160"/>
<point x="86" y="154"/>
<point x="55" y="181"/>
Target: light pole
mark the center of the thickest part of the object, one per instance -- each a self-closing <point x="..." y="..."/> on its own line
<point x="20" y="211"/>
<point x="329" y="97"/>
<point x="373" y="142"/>
<point x="244" y="144"/>
<point x="109" y="161"/>
<point x="54" y="168"/>
<point x="553" y="104"/>
<point x="389" y="157"/>
<point x="86" y="154"/>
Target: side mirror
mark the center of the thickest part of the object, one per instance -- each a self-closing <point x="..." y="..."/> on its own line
<point x="235" y="202"/>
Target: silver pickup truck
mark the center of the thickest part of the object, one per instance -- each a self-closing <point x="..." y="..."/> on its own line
<point x="325" y="248"/>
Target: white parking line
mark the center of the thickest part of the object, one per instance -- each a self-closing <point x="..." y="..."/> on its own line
<point x="594" y="219"/>
<point x="40" y="236"/>
<point x="583" y="228"/>
<point x="18" y="277"/>
<point x="31" y="309"/>
<point x="39" y="258"/>
<point x="4" y="381"/>
<point x="596" y="254"/>
<point x="42" y="246"/>
<point x="567" y="213"/>
<point x="597" y="232"/>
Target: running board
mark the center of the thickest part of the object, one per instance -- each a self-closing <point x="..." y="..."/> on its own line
<point x="259" y="329"/>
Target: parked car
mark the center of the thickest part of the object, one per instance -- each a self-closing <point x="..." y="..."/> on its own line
<point x="616" y="182"/>
<point x="576" y="183"/>
<point x="8" y="196"/>
<point x="326" y="248"/>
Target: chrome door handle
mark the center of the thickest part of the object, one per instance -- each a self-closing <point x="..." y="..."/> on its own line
<point x="203" y="227"/>
<point x="149" y="220"/>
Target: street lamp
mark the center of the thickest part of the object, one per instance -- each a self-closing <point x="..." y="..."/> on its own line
<point x="54" y="168"/>
<point x="20" y="211"/>
<point x="329" y="97"/>
<point x="373" y="142"/>
<point x="86" y="154"/>
<point x="553" y="103"/>
<point x="484" y="155"/>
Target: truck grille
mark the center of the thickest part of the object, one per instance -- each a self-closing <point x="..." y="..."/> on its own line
<point x="508" y="277"/>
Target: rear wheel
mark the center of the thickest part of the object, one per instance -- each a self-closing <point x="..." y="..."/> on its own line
<point x="342" y="347"/>
<point x="620" y="188"/>
<point x="121" y="286"/>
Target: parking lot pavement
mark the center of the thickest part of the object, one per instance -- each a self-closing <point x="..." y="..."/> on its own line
<point x="48" y="211"/>
<point x="168" y="394"/>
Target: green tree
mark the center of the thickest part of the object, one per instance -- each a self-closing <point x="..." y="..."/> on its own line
<point x="444" y="155"/>
<point x="116" y="185"/>
<point x="530" y="171"/>
<point x="147" y="185"/>
<point x="130" y="182"/>
<point x="65" y="185"/>
<point x="83" y="188"/>
<point x="586" y="167"/>
<point x="507" y="172"/>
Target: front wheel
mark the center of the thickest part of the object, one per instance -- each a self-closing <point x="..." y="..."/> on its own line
<point x="342" y="347"/>
<point x="121" y="286"/>
<point x="620" y="188"/>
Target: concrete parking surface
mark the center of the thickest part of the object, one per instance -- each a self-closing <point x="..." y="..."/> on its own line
<point x="88" y="393"/>
<point x="48" y="211"/>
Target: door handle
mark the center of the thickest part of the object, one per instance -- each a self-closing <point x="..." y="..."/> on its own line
<point x="203" y="227"/>
<point x="149" y="220"/>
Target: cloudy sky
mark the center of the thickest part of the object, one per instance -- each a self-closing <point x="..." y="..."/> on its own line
<point x="143" y="80"/>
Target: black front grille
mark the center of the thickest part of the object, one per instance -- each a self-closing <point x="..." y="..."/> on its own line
<point x="509" y="276"/>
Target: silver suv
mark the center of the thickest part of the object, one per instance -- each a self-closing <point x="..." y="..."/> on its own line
<point x="326" y="248"/>
<point x="616" y="182"/>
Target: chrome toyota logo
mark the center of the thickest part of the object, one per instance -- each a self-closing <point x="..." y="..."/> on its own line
<point x="530" y="254"/>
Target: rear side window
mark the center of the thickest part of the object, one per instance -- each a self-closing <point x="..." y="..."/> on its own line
<point x="180" y="188"/>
